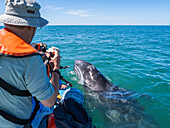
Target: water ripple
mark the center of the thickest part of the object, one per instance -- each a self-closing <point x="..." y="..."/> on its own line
<point x="132" y="57"/>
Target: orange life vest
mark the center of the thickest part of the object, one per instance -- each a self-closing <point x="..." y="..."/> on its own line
<point x="12" y="45"/>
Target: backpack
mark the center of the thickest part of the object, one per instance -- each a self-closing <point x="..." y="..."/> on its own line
<point x="69" y="114"/>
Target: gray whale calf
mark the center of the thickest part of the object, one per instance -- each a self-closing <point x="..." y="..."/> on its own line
<point x="116" y="104"/>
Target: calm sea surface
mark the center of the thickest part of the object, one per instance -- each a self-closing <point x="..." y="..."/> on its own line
<point x="133" y="57"/>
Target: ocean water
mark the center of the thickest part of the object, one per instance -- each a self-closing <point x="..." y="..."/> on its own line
<point x="136" y="58"/>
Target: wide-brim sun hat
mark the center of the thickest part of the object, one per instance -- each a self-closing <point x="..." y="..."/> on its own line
<point x="23" y="13"/>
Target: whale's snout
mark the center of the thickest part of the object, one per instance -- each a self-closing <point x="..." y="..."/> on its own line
<point x="80" y="63"/>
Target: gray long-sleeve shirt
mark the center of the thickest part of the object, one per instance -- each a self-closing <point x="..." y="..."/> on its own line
<point x="28" y="73"/>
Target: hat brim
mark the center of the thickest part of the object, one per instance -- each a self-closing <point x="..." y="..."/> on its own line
<point x="23" y="21"/>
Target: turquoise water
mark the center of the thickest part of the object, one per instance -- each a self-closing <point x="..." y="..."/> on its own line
<point x="133" y="57"/>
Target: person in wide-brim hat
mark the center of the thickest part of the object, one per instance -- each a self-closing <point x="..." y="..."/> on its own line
<point x="23" y="74"/>
<point x="23" y="13"/>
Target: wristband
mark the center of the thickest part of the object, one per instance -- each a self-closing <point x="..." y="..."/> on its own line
<point x="56" y="70"/>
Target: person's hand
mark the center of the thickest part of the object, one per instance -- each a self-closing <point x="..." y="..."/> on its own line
<point x="55" y="61"/>
<point x="63" y="86"/>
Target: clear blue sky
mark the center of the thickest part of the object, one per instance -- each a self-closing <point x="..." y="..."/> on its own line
<point x="104" y="12"/>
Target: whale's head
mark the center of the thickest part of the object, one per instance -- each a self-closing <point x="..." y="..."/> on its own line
<point x="90" y="76"/>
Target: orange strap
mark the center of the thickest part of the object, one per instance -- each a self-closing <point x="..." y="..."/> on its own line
<point x="12" y="45"/>
<point x="51" y="121"/>
<point x="38" y="46"/>
<point x="48" y="70"/>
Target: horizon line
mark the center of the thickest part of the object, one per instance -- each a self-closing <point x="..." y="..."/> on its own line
<point x="106" y="25"/>
<point x="115" y="24"/>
